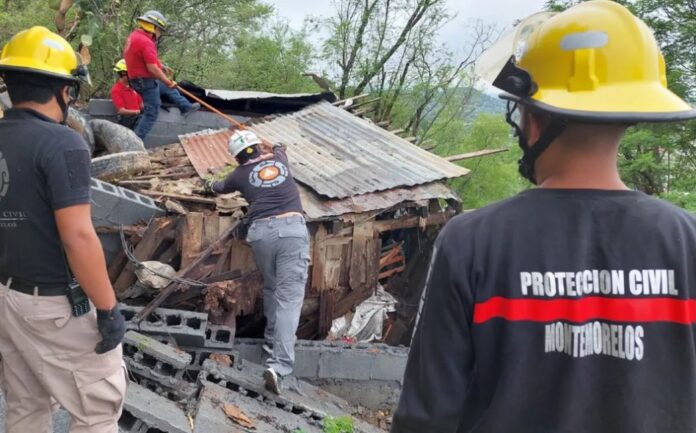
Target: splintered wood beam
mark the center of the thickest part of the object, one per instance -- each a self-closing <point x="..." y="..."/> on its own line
<point x="408" y="223"/>
<point x="477" y="154"/>
<point x="189" y="270"/>
<point x="189" y="198"/>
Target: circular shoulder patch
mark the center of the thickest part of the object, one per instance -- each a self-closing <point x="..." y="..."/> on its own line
<point x="268" y="174"/>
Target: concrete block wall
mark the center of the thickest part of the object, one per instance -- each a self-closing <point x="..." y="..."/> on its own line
<point x="336" y="360"/>
<point x="369" y="375"/>
<point x="186" y="327"/>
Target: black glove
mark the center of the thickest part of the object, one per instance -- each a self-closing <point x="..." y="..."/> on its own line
<point x="112" y="327"/>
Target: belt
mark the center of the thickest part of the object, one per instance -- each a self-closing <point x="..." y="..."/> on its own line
<point x="283" y="215"/>
<point x="28" y="288"/>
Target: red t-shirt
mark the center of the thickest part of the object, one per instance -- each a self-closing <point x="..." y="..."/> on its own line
<point x="139" y="51"/>
<point x="125" y="97"/>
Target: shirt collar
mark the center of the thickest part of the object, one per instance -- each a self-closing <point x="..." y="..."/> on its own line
<point x="26" y="114"/>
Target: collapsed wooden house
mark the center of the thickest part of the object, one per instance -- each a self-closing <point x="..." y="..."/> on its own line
<point x="374" y="203"/>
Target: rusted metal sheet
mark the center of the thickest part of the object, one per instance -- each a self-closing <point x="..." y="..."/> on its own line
<point x="340" y="155"/>
<point x="207" y="150"/>
<point x="317" y="207"/>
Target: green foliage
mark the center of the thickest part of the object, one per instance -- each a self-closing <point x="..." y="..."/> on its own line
<point x="335" y="425"/>
<point x="273" y="61"/>
<point x="338" y="425"/>
<point x="492" y="178"/>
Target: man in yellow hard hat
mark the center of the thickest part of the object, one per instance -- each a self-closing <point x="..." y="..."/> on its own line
<point x="146" y="73"/>
<point x="127" y="102"/>
<point x="569" y="307"/>
<point x="60" y="327"/>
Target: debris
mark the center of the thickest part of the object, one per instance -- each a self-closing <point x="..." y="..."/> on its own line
<point x="155" y="274"/>
<point x="367" y="323"/>
<point x="237" y="416"/>
<point x="120" y="165"/>
<point x="175" y="207"/>
<point x="79" y="124"/>
<point x="115" y="138"/>
<point x="221" y="359"/>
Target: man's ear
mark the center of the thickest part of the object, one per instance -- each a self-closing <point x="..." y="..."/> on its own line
<point x="533" y="126"/>
<point x="66" y="94"/>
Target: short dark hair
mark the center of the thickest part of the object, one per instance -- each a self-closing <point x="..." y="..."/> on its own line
<point x="27" y="87"/>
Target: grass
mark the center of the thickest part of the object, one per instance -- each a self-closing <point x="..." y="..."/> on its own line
<point x="342" y="424"/>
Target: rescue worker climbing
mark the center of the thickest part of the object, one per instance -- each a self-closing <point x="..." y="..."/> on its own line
<point x="569" y="307"/>
<point x="127" y="102"/>
<point x="55" y="346"/>
<point x="146" y="73"/>
<point x="279" y="239"/>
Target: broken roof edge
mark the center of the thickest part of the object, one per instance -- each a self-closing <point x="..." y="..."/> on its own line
<point x="232" y="95"/>
<point x="317" y="207"/>
<point x="340" y="155"/>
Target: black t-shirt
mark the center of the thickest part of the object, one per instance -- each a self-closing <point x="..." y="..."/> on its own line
<point x="267" y="184"/>
<point x="44" y="166"/>
<point x="558" y="311"/>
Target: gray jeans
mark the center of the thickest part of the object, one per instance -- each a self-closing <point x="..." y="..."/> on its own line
<point x="281" y="252"/>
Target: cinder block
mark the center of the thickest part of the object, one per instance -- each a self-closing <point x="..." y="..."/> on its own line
<point x="186" y="327"/>
<point x="267" y="418"/>
<point x="113" y="205"/>
<point x="162" y="378"/>
<point x="145" y="408"/>
<point x="219" y="337"/>
<point x="297" y="397"/>
<point x="134" y="342"/>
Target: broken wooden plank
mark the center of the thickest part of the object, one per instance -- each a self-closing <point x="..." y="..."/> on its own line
<point x="327" y="299"/>
<point x="319" y="259"/>
<point x="191" y="238"/>
<point x="132" y="230"/>
<point x="477" y="154"/>
<point x="362" y="234"/>
<point x="187" y="271"/>
<point x="189" y="198"/>
<point x="412" y="222"/>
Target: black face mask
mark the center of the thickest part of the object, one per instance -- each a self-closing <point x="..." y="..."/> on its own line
<point x="531" y="153"/>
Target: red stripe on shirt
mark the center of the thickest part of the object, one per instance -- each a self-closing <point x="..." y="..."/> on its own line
<point x="631" y="310"/>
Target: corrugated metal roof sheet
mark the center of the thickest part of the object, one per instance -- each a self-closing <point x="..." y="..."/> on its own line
<point x="332" y="151"/>
<point x="317" y="207"/>
<point x="207" y="150"/>
<point x="340" y="155"/>
<point x="230" y="95"/>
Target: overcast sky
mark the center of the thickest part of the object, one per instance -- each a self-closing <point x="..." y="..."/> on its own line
<point x="499" y="12"/>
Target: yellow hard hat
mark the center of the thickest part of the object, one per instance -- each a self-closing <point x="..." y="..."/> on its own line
<point x="39" y="50"/>
<point x="120" y="66"/>
<point x="594" y="62"/>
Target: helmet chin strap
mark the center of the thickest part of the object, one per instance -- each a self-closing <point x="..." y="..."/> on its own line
<point x="531" y="153"/>
<point x="74" y="90"/>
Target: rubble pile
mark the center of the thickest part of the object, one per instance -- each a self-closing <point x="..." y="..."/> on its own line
<point x="187" y="377"/>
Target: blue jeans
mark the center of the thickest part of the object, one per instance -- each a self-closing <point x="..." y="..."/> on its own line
<point x="152" y="92"/>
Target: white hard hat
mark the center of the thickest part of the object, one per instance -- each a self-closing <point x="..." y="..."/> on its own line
<point x="242" y="139"/>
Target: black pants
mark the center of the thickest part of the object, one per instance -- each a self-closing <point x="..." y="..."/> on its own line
<point x="128" y="121"/>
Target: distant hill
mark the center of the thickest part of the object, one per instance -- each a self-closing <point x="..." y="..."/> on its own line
<point x="486" y="104"/>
